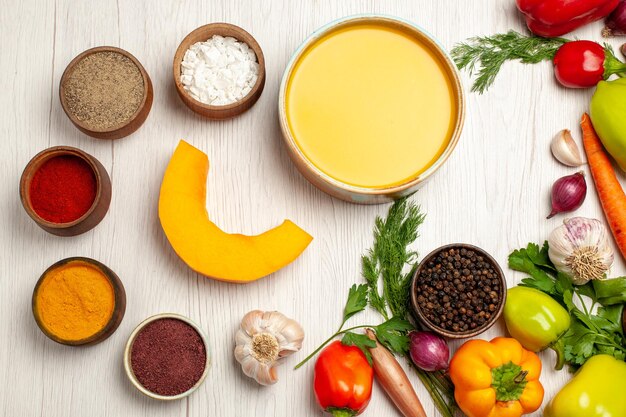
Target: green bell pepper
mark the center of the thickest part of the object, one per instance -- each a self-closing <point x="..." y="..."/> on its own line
<point x="608" y="114"/>
<point x="536" y="320"/>
<point x="597" y="390"/>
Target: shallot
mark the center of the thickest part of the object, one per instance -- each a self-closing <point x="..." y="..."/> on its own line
<point x="568" y="193"/>
<point x="429" y="351"/>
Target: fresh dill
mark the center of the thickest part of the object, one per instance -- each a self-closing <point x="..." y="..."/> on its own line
<point x="392" y="262"/>
<point x="389" y="257"/>
<point x="485" y="55"/>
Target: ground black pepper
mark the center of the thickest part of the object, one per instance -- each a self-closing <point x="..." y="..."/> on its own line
<point x="458" y="290"/>
<point x="168" y="357"/>
<point x="104" y="90"/>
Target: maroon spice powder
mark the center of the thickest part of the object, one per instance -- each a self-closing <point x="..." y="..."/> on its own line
<point x="168" y="357"/>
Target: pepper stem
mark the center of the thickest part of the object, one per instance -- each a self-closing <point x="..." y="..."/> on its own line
<point x="521" y="377"/>
<point x="559" y="348"/>
<point x="341" y="412"/>
<point x="509" y="381"/>
<point x="612" y="65"/>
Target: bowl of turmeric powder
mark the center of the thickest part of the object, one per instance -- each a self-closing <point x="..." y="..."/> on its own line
<point x="78" y="301"/>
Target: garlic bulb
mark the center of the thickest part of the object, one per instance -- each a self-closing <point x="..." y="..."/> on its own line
<point x="565" y="149"/>
<point x="581" y="249"/>
<point x="262" y="340"/>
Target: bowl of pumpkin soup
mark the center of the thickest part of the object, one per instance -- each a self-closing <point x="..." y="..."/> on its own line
<point x="370" y="107"/>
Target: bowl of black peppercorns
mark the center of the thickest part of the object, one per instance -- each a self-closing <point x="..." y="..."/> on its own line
<point x="458" y="291"/>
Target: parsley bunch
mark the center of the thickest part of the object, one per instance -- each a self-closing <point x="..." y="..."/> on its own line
<point x="597" y="324"/>
<point x="392" y="333"/>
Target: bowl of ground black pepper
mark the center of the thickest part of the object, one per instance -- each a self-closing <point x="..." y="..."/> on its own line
<point x="65" y="190"/>
<point x="167" y="357"/>
<point x="458" y="291"/>
<point x="106" y="92"/>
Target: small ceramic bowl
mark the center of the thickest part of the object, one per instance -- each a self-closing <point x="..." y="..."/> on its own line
<point x="203" y="34"/>
<point x="349" y="192"/>
<point x="469" y="333"/>
<point x="125" y="128"/>
<point x="118" y="310"/>
<point x="98" y="209"/>
<point x="129" y="345"/>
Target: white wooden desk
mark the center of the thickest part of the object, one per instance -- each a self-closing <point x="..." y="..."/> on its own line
<point x="493" y="192"/>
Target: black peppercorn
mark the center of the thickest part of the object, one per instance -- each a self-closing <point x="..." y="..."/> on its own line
<point x="458" y="290"/>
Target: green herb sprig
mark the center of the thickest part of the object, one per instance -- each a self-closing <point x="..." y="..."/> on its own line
<point x="391" y="333"/>
<point x="389" y="257"/>
<point x="590" y="333"/>
<point x="485" y="55"/>
<point x="391" y="264"/>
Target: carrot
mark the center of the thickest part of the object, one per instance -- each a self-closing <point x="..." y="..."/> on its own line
<point x="394" y="381"/>
<point x="609" y="189"/>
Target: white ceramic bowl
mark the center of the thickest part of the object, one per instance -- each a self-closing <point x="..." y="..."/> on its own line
<point x="352" y="193"/>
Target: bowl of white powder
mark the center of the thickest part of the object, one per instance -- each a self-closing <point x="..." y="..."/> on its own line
<point x="219" y="71"/>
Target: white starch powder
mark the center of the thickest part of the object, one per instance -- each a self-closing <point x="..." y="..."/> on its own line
<point x="219" y="71"/>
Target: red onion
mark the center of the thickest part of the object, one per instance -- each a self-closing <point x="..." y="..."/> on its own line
<point x="429" y="351"/>
<point x="616" y="22"/>
<point x="568" y="193"/>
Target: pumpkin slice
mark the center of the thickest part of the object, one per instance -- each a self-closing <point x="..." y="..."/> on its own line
<point x="205" y="247"/>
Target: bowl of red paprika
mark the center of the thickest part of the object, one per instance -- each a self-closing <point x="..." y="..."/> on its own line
<point x="65" y="190"/>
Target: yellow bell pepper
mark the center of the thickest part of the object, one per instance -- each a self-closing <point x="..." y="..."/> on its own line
<point x="597" y="390"/>
<point x="496" y="379"/>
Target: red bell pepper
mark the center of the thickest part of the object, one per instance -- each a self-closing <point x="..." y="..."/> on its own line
<point x="343" y="380"/>
<point x="551" y="18"/>
<point x="583" y="64"/>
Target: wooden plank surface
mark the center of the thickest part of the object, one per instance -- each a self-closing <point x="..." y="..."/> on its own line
<point x="493" y="192"/>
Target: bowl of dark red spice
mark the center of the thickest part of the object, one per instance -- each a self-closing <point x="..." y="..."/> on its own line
<point x="65" y="190"/>
<point x="106" y="92"/>
<point x="167" y="357"/>
<point x="458" y="291"/>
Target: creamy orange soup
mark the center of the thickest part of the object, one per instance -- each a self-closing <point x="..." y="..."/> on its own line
<point x="370" y="105"/>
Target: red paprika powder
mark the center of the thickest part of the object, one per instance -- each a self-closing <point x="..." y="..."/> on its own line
<point x="63" y="189"/>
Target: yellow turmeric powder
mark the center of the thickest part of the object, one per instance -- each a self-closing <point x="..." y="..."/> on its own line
<point x="75" y="301"/>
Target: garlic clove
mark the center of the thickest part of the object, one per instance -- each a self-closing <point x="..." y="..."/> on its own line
<point x="242" y="337"/>
<point x="251" y="322"/>
<point x="293" y="332"/>
<point x="266" y="375"/>
<point x="250" y="366"/>
<point x="288" y="349"/>
<point x="565" y="150"/>
<point x="242" y="351"/>
<point x="273" y="321"/>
